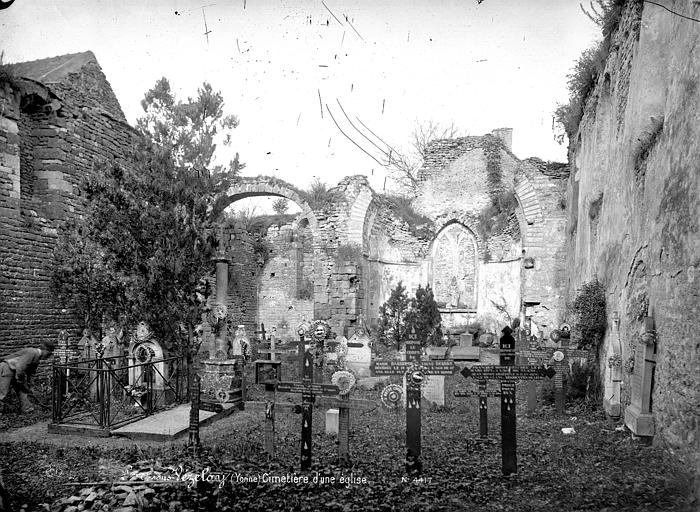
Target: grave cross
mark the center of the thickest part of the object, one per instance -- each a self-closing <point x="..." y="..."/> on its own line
<point x="308" y="390"/>
<point x="483" y="395"/>
<point x="508" y="374"/>
<point x="415" y="370"/>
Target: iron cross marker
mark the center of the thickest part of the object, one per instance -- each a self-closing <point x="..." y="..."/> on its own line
<point x="508" y="374"/>
<point x="415" y="370"/>
<point x="483" y="395"/>
<point x="308" y="391"/>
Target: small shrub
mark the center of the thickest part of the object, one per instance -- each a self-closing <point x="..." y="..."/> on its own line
<point x="590" y="318"/>
<point x="349" y="252"/>
<point x="261" y="250"/>
<point x="319" y="196"/>
<point x="418" y="225"/>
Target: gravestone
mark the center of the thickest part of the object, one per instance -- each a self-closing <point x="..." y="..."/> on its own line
<point x="433" y="390"/>
<point x="530" y="352"/>
<point x="466" y="339"/>
<point x="146" y="366"/>
<point x="359" y="356"/>
<point x="638" y="415"/>
<point x="560" y="361"/>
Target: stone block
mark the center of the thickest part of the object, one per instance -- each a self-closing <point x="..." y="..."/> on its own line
<point x="332" y="421"/>
<point x="466" y="340"/>
<point x="466" y="353"/>
<point x="639" y="423"/>
<point x="436" y="352"/>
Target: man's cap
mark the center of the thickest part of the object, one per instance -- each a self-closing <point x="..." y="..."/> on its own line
<point x="506" y="330"/>
<point x="48" y="345"/>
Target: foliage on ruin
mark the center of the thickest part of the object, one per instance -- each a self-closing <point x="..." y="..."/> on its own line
<point x="498" y="216"/>
<point x="404" y="167"/>
<point x="400" y="315"/>
<point x="189" y="131"/>
<point x="349" y="252"/>
<point x="645" y="144"/>
<point x="590" y="320"/>
<point x="261" y="250"/>
<point x="260" y="224"/>
<point x="7" y="74"/>
<point x="280" y="206"/>
<point x="402" y="207"/>
<point x="606" y="14"/>
<point x="319" y="196"/>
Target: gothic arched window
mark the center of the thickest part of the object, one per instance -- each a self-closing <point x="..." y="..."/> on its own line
<point x="454" y="267"/>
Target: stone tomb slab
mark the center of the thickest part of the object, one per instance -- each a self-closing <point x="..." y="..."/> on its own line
<point x="171" y="424"/>
<point x="466" y="353"/>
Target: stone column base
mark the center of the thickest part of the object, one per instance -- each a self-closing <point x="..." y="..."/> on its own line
<point x="641" y="424"/>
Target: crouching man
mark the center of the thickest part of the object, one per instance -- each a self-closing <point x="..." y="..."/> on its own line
<point x="16" y="371"/>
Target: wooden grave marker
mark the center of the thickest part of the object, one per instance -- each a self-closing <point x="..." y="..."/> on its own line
<point x="308" y="390"/>
<point x="415" y="370"/>
<point x="508" y="374"/>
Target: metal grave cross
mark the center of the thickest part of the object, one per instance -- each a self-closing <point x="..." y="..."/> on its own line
<point x="308" y="390"/>
<point x="508" y="373"/>
<point x="415" y="371"/>
<point x="483" y="395"/>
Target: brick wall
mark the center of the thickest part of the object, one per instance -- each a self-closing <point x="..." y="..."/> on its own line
<point x="48" y="143"/>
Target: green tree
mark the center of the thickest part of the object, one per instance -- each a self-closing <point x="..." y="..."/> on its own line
<point x="280" y="206"/>
<point x="392" y="317"/>
<point x="188" y="130"/>
<point x="424" y="317"/>
<point x="143" y="248"/>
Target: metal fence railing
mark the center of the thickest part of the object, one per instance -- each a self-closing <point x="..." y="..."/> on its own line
<point x="111" y="392"/>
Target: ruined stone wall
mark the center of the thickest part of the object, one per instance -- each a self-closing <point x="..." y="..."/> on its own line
<point x="284" y="298"/>
<point x="243" y="275"/>
<point x="634" y="195"/>
<point x="46" y="148"/>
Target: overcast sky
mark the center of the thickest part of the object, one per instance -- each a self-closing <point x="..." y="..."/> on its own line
<point x="391" y="63"/>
